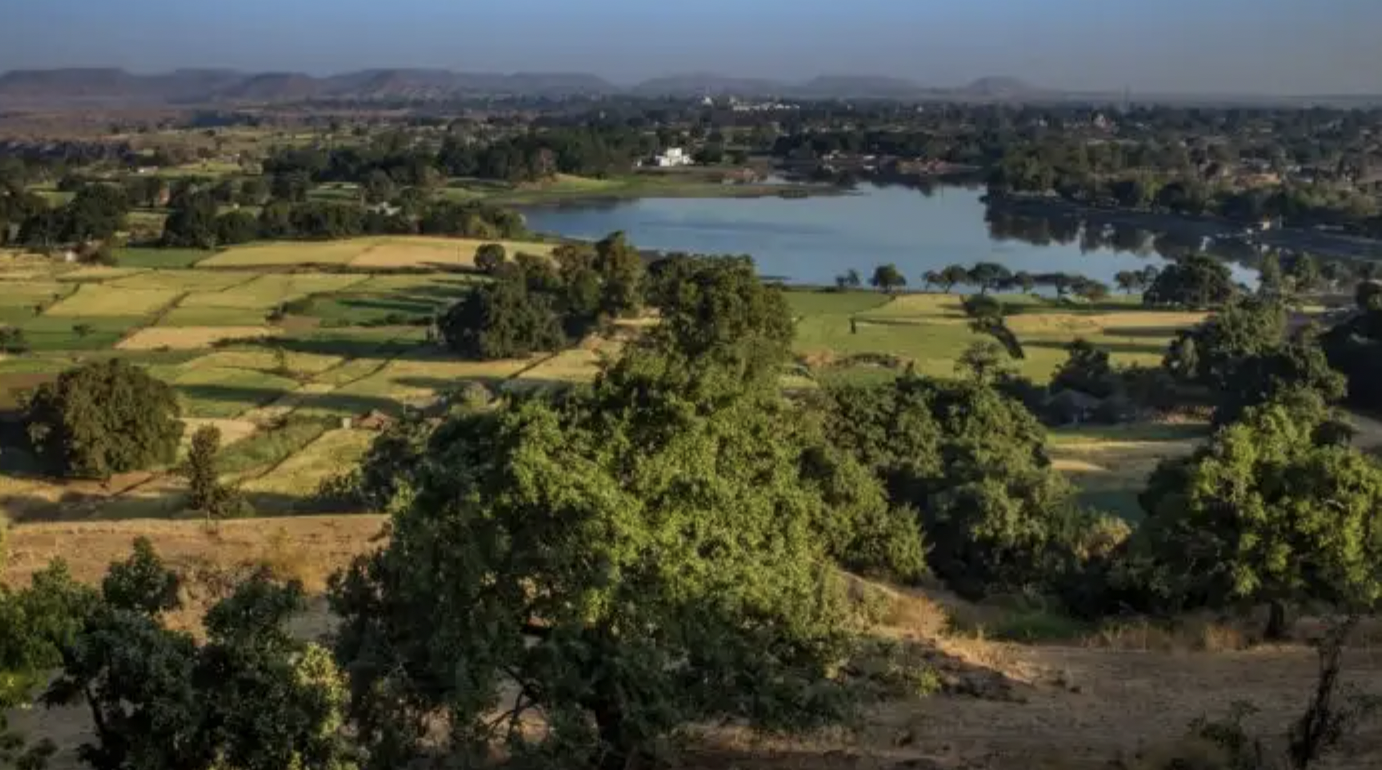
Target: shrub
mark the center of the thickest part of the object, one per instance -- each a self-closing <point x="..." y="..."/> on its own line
<point x="104" y="418"/>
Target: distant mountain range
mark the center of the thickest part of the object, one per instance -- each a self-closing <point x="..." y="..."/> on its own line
<point x="94" y="86"/>
<point x="86" y="86"/>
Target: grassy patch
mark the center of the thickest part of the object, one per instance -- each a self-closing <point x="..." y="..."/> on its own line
<point x="805" y="302"/>
<point x="271" y="447"/>
<point x="48" y="333"/>
<point x="99" y="300"/>
<point x="289" y="253"/>
<point x="160" y="258"/>
<point x="183" y="280"/>
<point x="223" y="392"/>
<point x="299" y="476"/>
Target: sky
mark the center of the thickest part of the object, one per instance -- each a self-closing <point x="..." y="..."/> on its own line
<point x="1181" y="46"/>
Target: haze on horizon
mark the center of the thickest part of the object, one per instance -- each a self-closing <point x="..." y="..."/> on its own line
<point x="1174" y="46"/>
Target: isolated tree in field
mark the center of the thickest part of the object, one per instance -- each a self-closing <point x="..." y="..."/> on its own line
<point x="849" y="279"/>
<point x="489" y="257"/>
<point x="82" y="330"/>
<point x="1129" y="281"/>
<point x="547" y="561"/>
<point x="930" y="278"/>
<point x="887" y="278"/>
<point x="952" y="276"/>
<point x="1091" y="290"/>
<point x="988" y="276"/>
<point x="1273" y="510"/>
<point x="205" y="492"/>
<point x="104" y="418"/>
<point x="1197" y="281"/>
<point x="12" y="340"/>
<point x="502" y="319"/>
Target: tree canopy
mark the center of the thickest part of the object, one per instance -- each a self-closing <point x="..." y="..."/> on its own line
<point x="1197" y="281"/>
<point x="621" y="558"/>
<point x="104" y="418"/>
<point x="1273" y="509"/>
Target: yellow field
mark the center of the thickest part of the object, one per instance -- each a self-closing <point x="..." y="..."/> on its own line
<point x="191" y="337"/>
<point x="289" y="253"/>
<point x="373" y="252"/>
<point x="98" y="300"/>
<point x="264" y="360"/>
<point x="101" y="273"/>
<point x="271" y="290"/>
<point x="336" y="452"/>
<point x="231" y="430"/>
<point x="436" y="252"/>
<point x="182" y="280"/>
<point x="411" y="382"/>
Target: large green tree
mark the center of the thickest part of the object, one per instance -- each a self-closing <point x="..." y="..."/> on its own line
<point x="629" y="560"/>
<point x="503" y="319"/>
<point x="972" y="463"/>
<point x="1196" y="281"/>
<point x="104" y="418"/>
<point x="1275" y="509"/>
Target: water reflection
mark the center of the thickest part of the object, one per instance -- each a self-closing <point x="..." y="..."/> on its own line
<point x="919" y="226"/>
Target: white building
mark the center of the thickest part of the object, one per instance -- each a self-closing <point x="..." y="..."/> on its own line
<point x="674" y="156"/>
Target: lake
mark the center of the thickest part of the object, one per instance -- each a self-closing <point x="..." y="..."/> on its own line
<point x="812" y="240"/>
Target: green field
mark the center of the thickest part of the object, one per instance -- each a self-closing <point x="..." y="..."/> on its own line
<point x="280" y="352"/>
<point x="931" y="331"/>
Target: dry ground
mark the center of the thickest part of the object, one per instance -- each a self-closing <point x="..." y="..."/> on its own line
<point x="1008" y="706"/>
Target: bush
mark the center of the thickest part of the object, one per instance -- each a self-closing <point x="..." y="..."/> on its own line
<point x="104" y="418"/>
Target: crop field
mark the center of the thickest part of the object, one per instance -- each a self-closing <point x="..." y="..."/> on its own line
<point x="277" y="353"/>
<point x="931" y="331"/>
<point x="98" y="300"/>
<point x="366" y="253"/>
<point x="333" y="453"/>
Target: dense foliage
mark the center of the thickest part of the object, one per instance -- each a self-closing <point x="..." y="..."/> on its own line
<point x="972" y="463"/>
<point x="536" y="303"/>
<point x="1197" y="281"/>
<point x="626" y="555"/>
<point x="103" y="418"/>
<point x="1274" y="509"/>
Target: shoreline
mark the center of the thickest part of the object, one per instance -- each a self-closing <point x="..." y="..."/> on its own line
<point x="1324" y="244"/>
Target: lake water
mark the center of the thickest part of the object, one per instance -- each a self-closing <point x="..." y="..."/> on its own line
<point x="812" y="240"/>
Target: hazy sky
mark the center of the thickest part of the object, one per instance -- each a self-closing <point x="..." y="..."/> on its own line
<point x="1266" y="46"/>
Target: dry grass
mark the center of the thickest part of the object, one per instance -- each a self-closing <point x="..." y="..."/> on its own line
<point x="322" y="544"/>
<point x="98" y="300"/>
<point x="290" y="253"/>
<point x="191" y="337"/>
<point x="266" y="361"/>
<point x="269" y="291"/>
<point x="1046" y="707"/>
<point x="231" y="430"/>
<point x="435" y="252"/>
<point x="334" y="453"/>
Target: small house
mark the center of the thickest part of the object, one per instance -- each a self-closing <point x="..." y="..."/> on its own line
<point x="672" y="157"/>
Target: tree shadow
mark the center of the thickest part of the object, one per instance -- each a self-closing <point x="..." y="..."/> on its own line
<point x="1112" y="347"/>
<point x="343" y="404"/>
